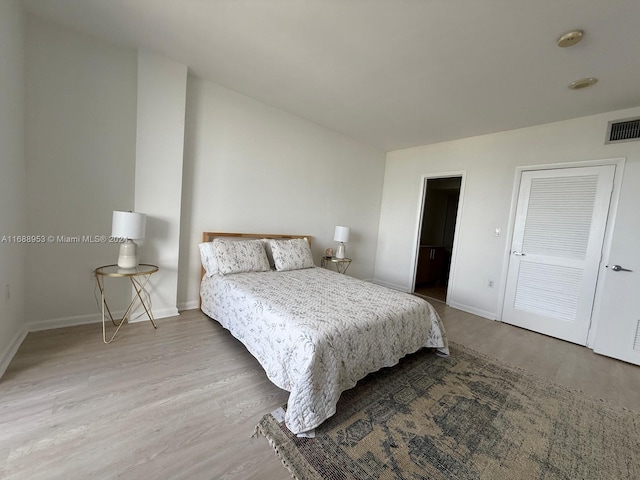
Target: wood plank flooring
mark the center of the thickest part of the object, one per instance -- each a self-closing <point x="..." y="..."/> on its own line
<point x="182" y="402"/>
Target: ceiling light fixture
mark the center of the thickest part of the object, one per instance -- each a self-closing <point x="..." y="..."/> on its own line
<point x="570" y="38"/>
<point x="582" y="83"/>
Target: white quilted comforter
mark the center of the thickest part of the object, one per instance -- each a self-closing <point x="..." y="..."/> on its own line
<point x="316" y="332"/>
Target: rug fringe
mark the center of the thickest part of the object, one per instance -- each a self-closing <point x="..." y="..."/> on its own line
<point x="257" y="433"/>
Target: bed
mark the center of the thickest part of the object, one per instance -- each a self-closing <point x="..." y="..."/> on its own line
<point x="314" y="331"/>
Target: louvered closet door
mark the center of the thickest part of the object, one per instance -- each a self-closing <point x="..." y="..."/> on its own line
<point x="556" y="249"/>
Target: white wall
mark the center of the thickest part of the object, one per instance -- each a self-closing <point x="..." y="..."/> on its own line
<point x="247" y="167"/>
<point x="252" y="168"/>
<point x="162" y="86"/>
<point x="490" y="162"/>
<point x="12" y="179"/>
<point x="80" y="150"/>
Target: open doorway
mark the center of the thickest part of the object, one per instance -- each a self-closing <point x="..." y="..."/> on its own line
<point x="437" y="231"/>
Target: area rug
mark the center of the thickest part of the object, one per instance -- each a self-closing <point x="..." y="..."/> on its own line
<point x="463" y="417"/>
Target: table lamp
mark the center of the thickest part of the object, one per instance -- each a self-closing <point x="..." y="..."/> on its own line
<point x="341" y="235"/>
<point x="128" y="225"/>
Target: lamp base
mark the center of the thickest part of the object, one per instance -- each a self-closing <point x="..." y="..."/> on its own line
<point x="128" y="255"/>
<point x="340" y="251"/>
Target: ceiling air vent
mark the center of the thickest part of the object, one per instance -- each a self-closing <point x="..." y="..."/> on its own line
<point x="627" y="130"/>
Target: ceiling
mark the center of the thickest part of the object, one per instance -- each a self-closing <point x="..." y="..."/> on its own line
<point x="390" y="73"/>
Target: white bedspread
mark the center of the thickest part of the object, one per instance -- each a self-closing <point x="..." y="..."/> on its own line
<point x="316" y="332"/>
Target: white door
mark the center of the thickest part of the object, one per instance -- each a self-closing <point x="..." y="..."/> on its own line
<point x="559" y="229"/>
<point x="618" y="332"/>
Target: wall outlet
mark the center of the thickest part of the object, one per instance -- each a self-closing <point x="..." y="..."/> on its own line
<point x="7" y="291"/>
<point x="490" y="284"/>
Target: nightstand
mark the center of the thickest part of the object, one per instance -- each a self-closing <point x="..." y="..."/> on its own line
<point x="138" y="276"/>
<point x="341" y="263"/>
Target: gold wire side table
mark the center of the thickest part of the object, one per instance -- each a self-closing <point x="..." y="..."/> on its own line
<point x="138" y="276"/>
<point x="341" y="263"/>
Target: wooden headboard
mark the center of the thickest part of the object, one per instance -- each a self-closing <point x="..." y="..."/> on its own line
<point x="209" y="236"/>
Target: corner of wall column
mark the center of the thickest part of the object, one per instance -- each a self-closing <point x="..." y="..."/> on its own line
<point x="162" y="85"/>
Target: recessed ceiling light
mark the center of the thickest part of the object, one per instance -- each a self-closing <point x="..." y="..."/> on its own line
<point x="570" y="38"/>
<point x="582" y="83"/>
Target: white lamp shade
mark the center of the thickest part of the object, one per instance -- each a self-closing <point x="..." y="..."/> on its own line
<point x="128" y="225"/>
<point x="341" y="234"/>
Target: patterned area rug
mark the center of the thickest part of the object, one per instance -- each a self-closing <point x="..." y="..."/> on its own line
<point x="463" y="417"/>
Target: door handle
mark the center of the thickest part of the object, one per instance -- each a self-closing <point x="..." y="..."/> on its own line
<point x="618" y="268"/>
<point x="518" y="254"/>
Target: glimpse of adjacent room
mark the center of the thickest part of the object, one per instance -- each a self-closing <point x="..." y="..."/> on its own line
<point x="438" y="226"/>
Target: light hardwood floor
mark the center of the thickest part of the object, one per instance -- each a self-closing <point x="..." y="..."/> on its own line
<point x="182" y="402"/>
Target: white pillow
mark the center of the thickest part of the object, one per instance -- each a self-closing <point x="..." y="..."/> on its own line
<point x="291" y="254"/>
<point x="208" y="258"/>
<point x="240" y="256"/>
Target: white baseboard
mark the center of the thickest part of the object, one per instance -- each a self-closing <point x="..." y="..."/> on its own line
<point x="459" y="306"/>
<point x="52" y="323"/>
<point x="49" y="324"/>
<point x="95" y="318"/>
<point x="9" y="352"/>
<point x="141" y="316"/>
<point x="393" y="286"/>
<point x="473" y="310"/>
<point x="194" y="305"/>
<point x="166" y="312"/>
